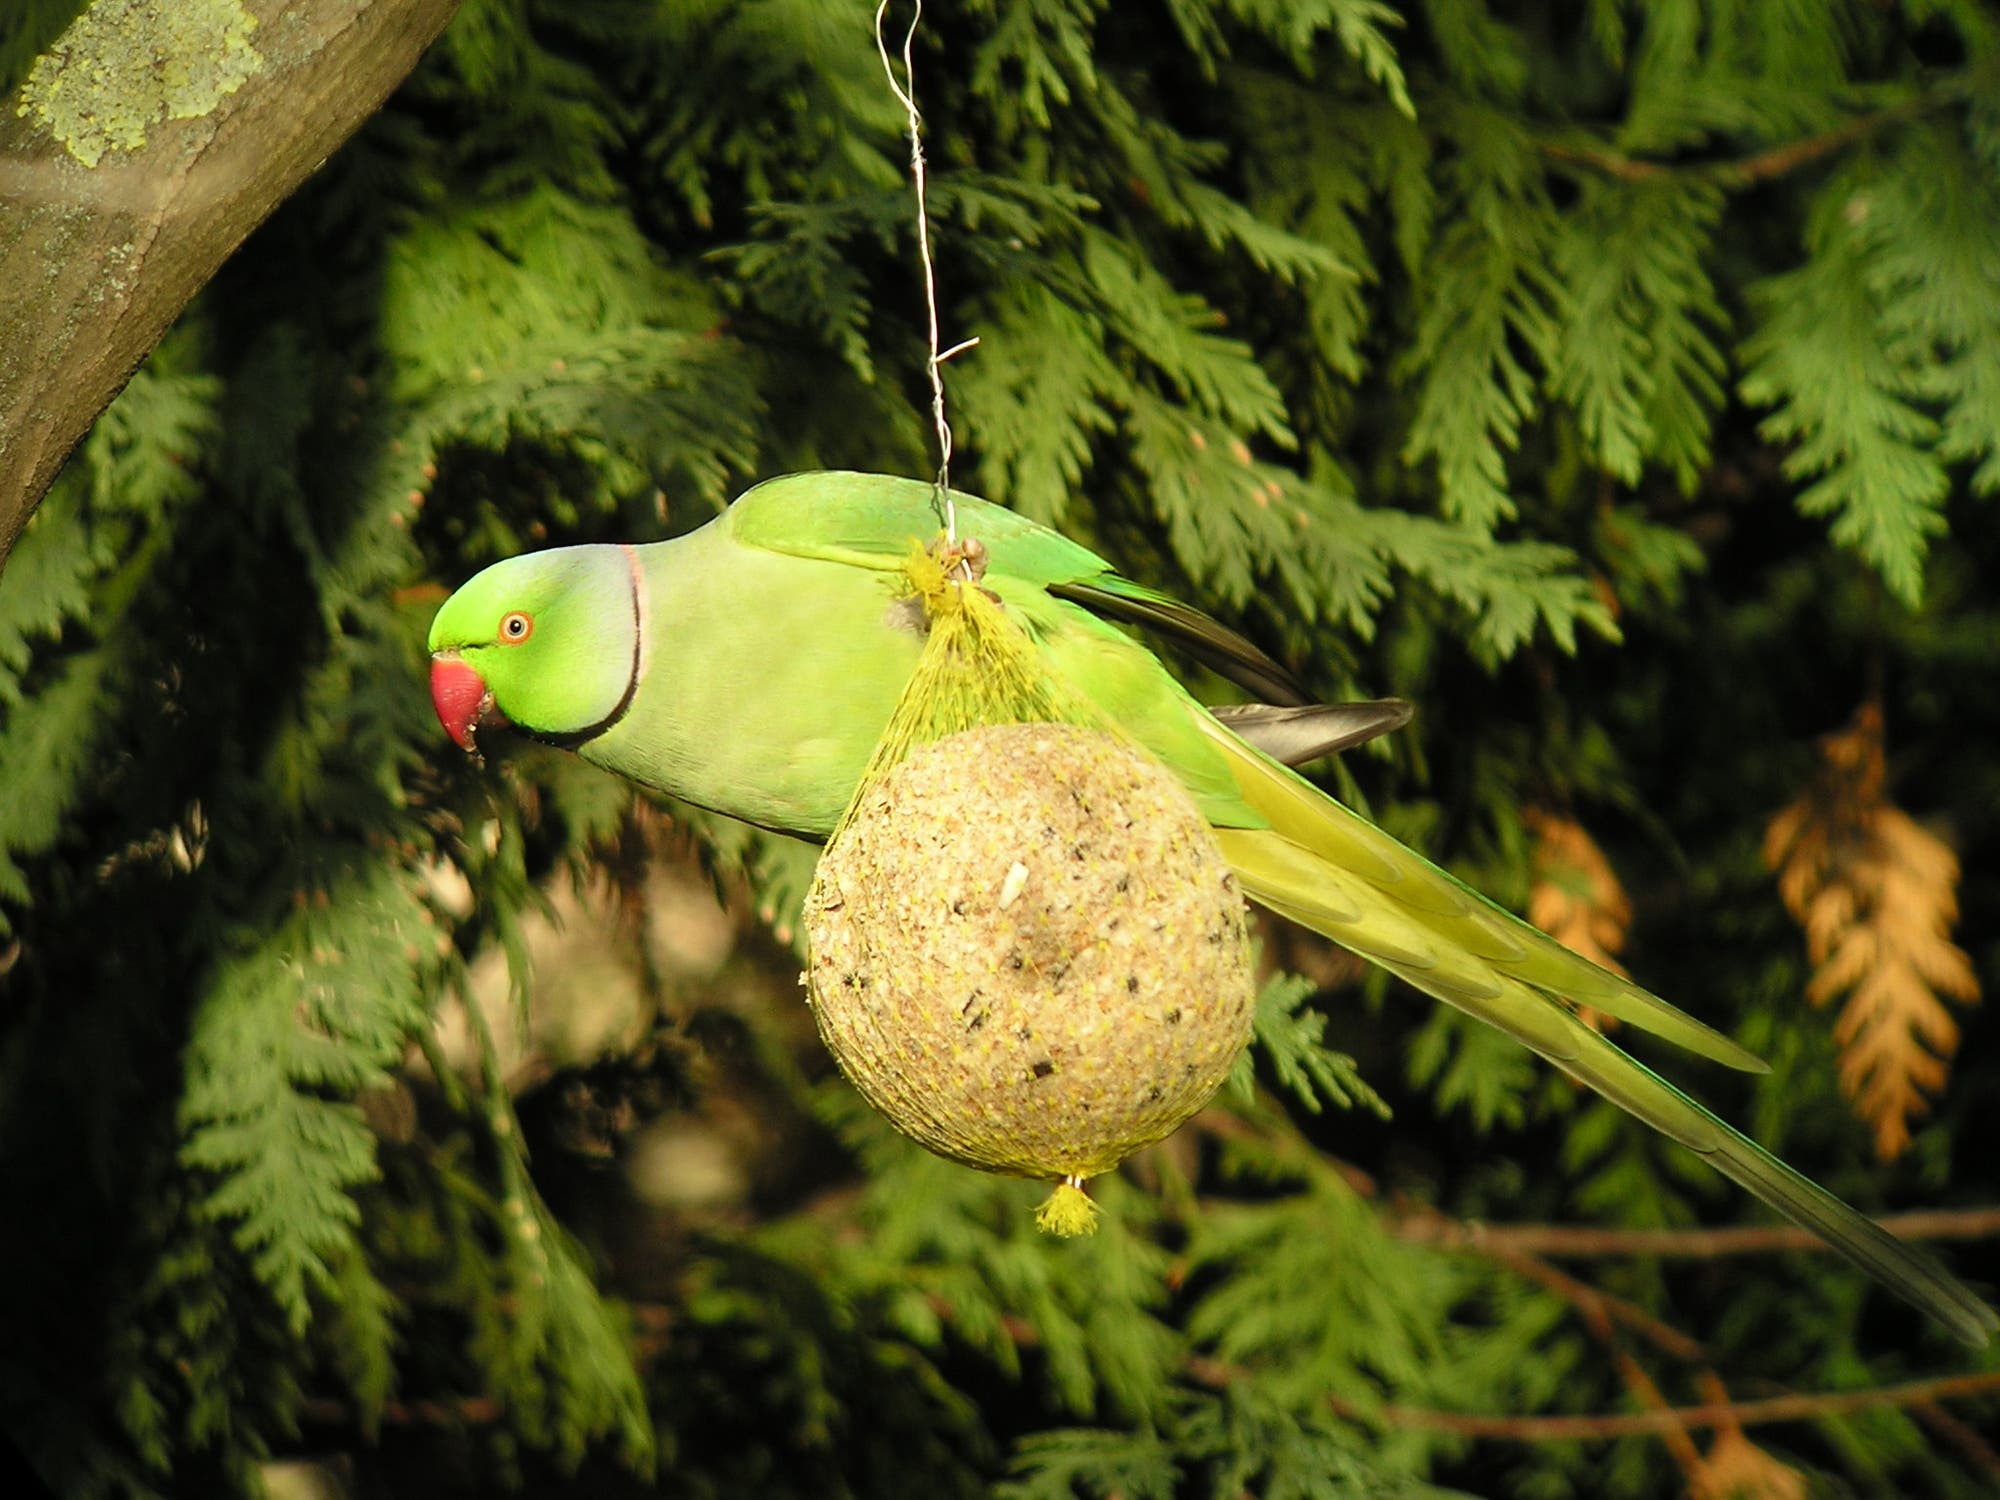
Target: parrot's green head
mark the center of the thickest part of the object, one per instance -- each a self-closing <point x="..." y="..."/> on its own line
<point x="551" y="643"/>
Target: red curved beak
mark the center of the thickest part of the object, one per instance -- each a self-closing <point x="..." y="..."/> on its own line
<point x="460" y="697"/>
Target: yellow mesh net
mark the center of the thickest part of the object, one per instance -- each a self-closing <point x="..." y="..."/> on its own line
<point x="978" y="665"/>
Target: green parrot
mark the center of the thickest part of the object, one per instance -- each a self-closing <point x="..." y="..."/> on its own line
<point x="751" y="665"/>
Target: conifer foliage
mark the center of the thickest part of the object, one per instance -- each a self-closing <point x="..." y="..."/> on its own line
<point x="1876" y="893"/>
<point x="1620" y="381"/>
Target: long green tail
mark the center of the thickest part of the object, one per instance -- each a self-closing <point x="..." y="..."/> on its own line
<point x="1325" y="868"/>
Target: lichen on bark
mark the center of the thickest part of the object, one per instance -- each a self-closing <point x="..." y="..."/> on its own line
<point x="125" y="66"/>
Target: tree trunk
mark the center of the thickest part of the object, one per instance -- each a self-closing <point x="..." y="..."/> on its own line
<point x="135" y="161"/>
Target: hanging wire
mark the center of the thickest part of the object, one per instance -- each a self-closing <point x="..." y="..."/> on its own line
<point x="905" y="90"/>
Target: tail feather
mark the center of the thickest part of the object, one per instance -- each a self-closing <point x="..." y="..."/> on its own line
<point x="1455" y="916"/>
<point x="1329" y="870"/>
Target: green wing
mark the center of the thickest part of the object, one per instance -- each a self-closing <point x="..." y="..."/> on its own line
<point x="869" y="521"/>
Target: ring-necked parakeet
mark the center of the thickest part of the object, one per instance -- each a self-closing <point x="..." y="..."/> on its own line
<point x="750" y="667"/>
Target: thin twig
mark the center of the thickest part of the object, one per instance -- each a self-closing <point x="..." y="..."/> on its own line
<point x="1798" y="1408"/>
<point x="1423" y="1225"/>
<point x="1742" y="171"/>
<point x="1580" y="1241"/>
<point x="1601" y="1312"/>
<point x="1678" y="1441"/>
<point x="448" y="1412"/>
<point x="1919" y="1396"/>
<point x="1598" y="1310"/>
<point x="1773" y="161"/>
<point x="1601" y="1309"/>
<point x="1977" y="1450"/>
<point x="905" y="90"/>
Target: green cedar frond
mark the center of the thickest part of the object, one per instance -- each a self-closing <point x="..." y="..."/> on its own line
<point x="1036" y="399"/>
<point x="48" y="585"/>
<point x="1848" y="389"/>
<point x="89" y="555"/>
<point x="1289" y="257"/>
<point x="967" y="1241"/>
<point x="1229" y="519"/>
<point x="1255" y="1444"/>
<point x="559" y="1354"/>
<point x="1736" y="75"/>
<point x="1289" y="1036"/>
<point x="1491" y="312"/>
<point x="1601" y="363"/>
<point x="1308" y="1318"/>
<point x="48" y="747"/>
<point x="1636" y="349"/>
<point x="1317" y="163"/>
<point x="1172" y="331"/>
<point x="1063" y="1462"/>
<point x="188" y="1334"/>
<point x="747" y="103"/>
<point x="1361" y="26"/>
<point x="798" y="272"/>
<point x="1645" y="559"/>
<point x="800" y="268"/>
<point x="465" y="291"/>
<point x="1507" y="590"/>
<point x="1471" y="1067"/>
<point x="1008" y="214"/>
<point x="1934" y="229"/>
<point x="1683" y="322"/>
<point x="1481" y="56"/>
<point x="360" y="1329"/>
<point x="637" y="404"/>
<point x="147" y="451"/>
<point x="1035" y="59"/>
<point x="491" y="49"/>
<point x="288" y="1033"/>
<point x="1620" y="1174"/>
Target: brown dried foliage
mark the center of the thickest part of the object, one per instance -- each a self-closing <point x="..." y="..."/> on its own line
<point x="1876" y="894"/>
<point x="1734" y="1468"/>
<point x="1576" y="898"/>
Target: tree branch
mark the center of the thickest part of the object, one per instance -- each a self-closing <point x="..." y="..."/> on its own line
<point x="1742" y="171"/>
<point x="1772" y="161"/>
<point x="1797" y="1408"/>
<point x="99" y="259"/>
<point x="1978" y="1452"/>
<point x="1580" y="1241"/>
<point x="1599" y="1308"/>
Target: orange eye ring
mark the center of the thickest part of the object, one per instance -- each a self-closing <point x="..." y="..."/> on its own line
<point x="515" y="627"/>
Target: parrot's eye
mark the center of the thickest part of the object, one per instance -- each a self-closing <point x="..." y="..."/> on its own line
<point x="516" y="627"/>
